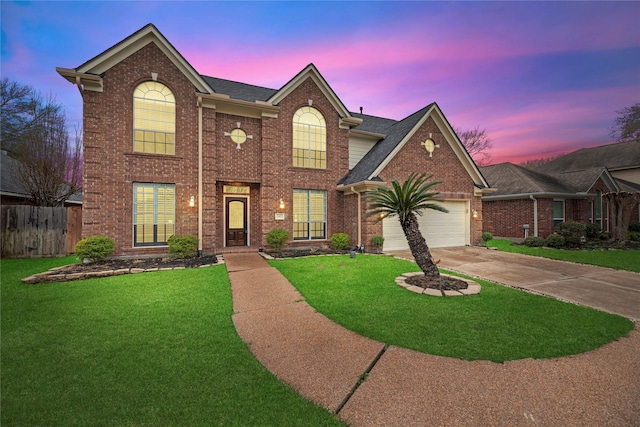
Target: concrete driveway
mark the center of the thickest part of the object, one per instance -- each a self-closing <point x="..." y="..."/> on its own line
<point x="605" y="289"/>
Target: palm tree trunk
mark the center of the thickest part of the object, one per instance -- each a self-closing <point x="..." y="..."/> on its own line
<point x="419" y="248"/>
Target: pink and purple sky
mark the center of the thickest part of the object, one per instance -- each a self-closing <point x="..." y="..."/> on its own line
<point x="543" y="78"/>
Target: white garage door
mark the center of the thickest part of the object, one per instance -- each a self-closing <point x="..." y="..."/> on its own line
<point x="438" y="228"/>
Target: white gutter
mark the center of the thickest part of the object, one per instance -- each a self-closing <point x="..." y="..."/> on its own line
<point x="535" y="215"/>
<point x="359" y="216"/>
<point x="199" y="175"/>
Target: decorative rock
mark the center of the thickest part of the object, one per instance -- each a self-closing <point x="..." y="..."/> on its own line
<point x="137" y="270"/>
<point x="472" y="287"/>
<point x="105" y="273"/>
<point x="452" y="293"/>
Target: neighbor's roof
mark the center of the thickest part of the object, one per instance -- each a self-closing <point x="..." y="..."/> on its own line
<point x="513" y="179"/>
<point x="11" y="186"/>
<point x="622" y="155"/>
<point x="517" y="181"/>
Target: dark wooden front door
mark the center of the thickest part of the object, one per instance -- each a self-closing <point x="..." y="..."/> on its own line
<point x="236" y="227"/>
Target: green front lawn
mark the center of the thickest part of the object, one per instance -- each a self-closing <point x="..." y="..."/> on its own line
<point x="146" y="349"/>
<point x="628" y="259"/>
<point x="499" y="324"/>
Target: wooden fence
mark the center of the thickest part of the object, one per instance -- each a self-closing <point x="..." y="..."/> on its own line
<point x="33" y="231"/>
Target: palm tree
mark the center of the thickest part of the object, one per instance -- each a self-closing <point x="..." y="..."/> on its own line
<point x="406" y="201"/>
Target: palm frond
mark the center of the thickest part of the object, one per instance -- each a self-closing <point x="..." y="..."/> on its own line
<point x="413" y="195"/>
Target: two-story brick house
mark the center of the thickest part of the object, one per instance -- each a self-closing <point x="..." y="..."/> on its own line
<point x="169" y="151"/>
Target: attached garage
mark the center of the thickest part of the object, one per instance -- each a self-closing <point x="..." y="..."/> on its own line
<point x="438" y="228"/>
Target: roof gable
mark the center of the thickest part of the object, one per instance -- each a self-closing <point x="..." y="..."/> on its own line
<point x="120" y="51"/>
<point x="310" y="71"/>
<point x="397" y="135"/>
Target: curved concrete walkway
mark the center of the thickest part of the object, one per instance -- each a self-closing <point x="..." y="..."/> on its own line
<point x="325" y="363"/>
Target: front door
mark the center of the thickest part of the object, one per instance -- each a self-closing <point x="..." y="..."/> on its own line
<point x="236" y="227"/>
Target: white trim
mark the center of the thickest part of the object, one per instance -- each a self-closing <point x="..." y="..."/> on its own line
<point x="224" y="217"/>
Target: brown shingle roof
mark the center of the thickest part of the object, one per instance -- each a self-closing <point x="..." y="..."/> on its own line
<point x="622" y="155"/>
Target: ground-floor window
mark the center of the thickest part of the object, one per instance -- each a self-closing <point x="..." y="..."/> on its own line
<point x="558" y="212"/>
<point x="309" y="215"/>
<point x="154" y="212"/>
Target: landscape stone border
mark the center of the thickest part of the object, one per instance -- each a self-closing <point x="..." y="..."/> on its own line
<point x="54" y="274"/>
<point x="473" y="288"/>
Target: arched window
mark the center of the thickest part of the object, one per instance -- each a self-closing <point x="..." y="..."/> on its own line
<point x="154" y="119"/>
<point x="309" y="139"/>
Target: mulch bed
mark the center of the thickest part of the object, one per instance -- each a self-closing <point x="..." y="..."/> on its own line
<point x="144" y="263"/>
<point x="448" y="283"/>
<point x="300" y="252"/>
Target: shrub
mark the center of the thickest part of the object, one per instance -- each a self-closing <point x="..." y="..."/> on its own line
<point x="486" y="236"/>
<point x="634" y="226"/>
<point x="555" y="241"/>
<point x="377" y="242"/>
<point x="95" y="248"/>
<point x="183" y="247"/>
<point x="277" y="238"/>
<point x="605" y="236"/>
<point x="534" y="242"/>
<point x="573" y="232"/>
<point x="340" y="241"/>
<point x="634" y="236"/>
<point x="593" y="230"/>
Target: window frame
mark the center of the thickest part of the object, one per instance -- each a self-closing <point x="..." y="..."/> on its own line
<point x="170" y="215"/>
<point x="309" y="225"/>
<point x="151" y="110"/>
<point x="558" y="220"/>
<point x="309" y="151"/>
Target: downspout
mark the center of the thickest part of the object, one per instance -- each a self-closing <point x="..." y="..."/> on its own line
<point x="199" y="176"/>
<point x="359" y="216"/>
<point x="535" y="215"/>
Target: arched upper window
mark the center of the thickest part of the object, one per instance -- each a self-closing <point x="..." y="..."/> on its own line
<point x="309" y="139"/>
<point x="154" y="119"/>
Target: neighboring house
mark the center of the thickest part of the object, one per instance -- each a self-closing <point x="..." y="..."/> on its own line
<point x="12" y="191"/>
<point x="569" y="188"/>
<point x="170" y="151"/>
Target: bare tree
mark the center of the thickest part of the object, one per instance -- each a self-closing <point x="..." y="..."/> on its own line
<point x="627" y="125"/>
<point x="622" y="204"/>
<point x="477" y="143"/>
<point x="49" y="165"/>
<point x="21" y="108"/>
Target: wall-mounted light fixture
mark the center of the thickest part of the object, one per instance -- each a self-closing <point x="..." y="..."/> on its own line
<point x="281" y="204"/>
<point x="474" y="213"/>
<point x="192" y="201"/>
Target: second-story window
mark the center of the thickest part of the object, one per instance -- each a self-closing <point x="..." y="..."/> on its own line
<point x="154" y="119"/>
<point x="309" y="139"/>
